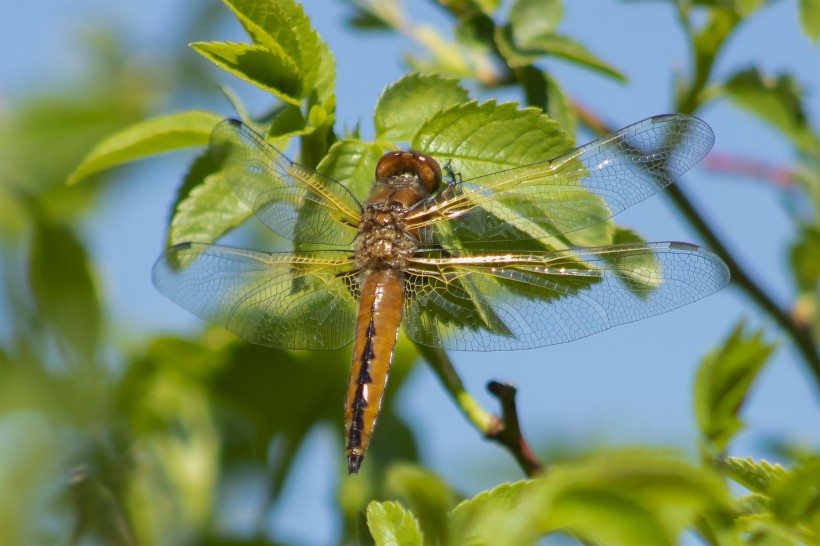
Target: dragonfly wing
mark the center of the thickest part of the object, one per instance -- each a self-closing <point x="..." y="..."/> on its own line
<point x="581" y="188"/>
<point x="297" y="203"/>
<point x="301" y="300"/>
<point x="530" y="299"/>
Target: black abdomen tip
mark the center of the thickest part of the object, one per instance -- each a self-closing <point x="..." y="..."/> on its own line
<point x="353" y="463"/>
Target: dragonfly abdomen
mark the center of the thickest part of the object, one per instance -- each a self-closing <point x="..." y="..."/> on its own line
<point x="377" y="328"/>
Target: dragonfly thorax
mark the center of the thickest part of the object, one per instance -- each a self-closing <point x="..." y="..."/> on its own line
<point x="384" y="241"/>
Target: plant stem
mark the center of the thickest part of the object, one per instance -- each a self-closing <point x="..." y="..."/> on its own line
<point x="505" y="430"/>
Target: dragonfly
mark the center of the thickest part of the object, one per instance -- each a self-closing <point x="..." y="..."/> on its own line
<point x="483" y="264"/>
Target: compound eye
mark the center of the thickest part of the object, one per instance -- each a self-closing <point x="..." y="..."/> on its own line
<point x="424" y="167"/>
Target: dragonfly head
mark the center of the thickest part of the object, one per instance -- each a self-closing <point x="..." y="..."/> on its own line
<point x="423" y="167"/>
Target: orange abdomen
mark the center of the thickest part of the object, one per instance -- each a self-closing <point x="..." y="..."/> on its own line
<point x="377" y="327"/>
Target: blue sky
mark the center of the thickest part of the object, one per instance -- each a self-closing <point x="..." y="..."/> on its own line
<point x="631" y="384"/>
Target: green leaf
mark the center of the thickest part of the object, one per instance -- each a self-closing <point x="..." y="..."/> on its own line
<point x="326" y="79"/>
<point x="476" y="520"/>
<point x="206" y="206"/>
<point x="723" y="382"/>
<point x="810" y="18"/>
<point x="427" y="496"/>
<point x="406" y="104"/>
<point x="519" y="53"/>
<point x="271" y="72"/>
<point x="283" y="29"/>
<point x="796" y="497"/>
<point x="626" y="498"/>
<point x="64" y="288"/>
<point x="149" y="137"/>
<point x="288" y="122"/>
<point x="757" y="476"/>
<point x="392" y="525"/>
<point x="449" y="58"/>
<point x="352" y="163"/>
<point x="531" y="19"/>
<point x="777" y="101"/>
<point x="572" y="51"/>
<point x="805" y="258"/>
<point x="485" y="139"/>
<point x="640" y="272"/>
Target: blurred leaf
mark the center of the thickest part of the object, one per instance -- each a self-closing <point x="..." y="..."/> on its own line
<point x="449" y="58"/>
<point x="476" y="32"/>
<point x="147" y="138"/>
<point x="35" y="453"/>
<point x="810" y="18"/>
<point x="406" y="104"/>
<point x="796" y="497"/>
<point x="757" y="476"/>
<point x="776" y="101"/>
<point x="520" y="54"/>
<point x="64" y="288"/>
<point x="805" y="258"/>
<point x="723" y="382"/>
<point x="374" y="14"/>
<point x="427" y="496"/>
<point x="393" y="525"/>
<point x="627" y="498"/>
<point x="279" y="394"/>
<point x="165" y="398"/>
<point x="615" y="498"/>
<point x="532" y="19"/>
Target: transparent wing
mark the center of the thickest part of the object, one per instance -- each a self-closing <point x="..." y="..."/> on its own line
<point x="297" y="203"/>
<point x="288" y="301"/>
<point x="579" y="189"/>
<point x="523" y="300"/>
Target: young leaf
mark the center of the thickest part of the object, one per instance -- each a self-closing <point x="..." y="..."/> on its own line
<point x="282" y="28"/>
<point x="392" y="525"/>
<point x="406" y="104"/>
<point x="755" y="476"/>
<point x="149" y="137"/>
<point x="64" y="289"/>
<point x="426" y="494"/>
<point x="722" y="384"/>
<point x="268" y="70"/>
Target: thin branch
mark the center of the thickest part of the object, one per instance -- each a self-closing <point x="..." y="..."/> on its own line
<point x="506" y="430"/>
